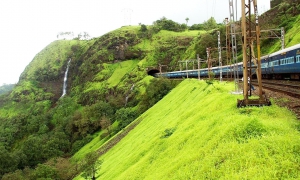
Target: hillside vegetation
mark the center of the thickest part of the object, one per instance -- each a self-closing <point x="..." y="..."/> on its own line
<point x="44" y="135"/>
<point x="196" y="132"/>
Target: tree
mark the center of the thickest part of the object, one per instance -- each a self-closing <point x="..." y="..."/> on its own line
<point x="125" y="116"/>
<point x="187" y="20"/>
<point x="44" y="171"/>
<point x="166" y="24"/>
<point x="65" y="35"/>
<point x="105" y="124"/>
<point x="143" y="28"/>
<point x="25" y="174"/>
<point x="7" y="162"/>
<point x="184" y="26"/>
<point x="86" y="35"/>
<point x="206" y="40"/>
<point x="64" y="167"/>
<point x="157" y="89"/>
<point x="210" y="24"/>
<point x="33" y="150"/>
<point x="197" y="27"/>
<point x="90" y="165"/>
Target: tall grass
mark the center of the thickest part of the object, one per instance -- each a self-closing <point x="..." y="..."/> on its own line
<point x="120" y="69"/>
<point x="293" y="37"/>
<point x="196" y="132"/>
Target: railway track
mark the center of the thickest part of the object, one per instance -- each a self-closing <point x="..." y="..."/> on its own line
<point x="289" y="88"/>
<point x="284" y="93"/>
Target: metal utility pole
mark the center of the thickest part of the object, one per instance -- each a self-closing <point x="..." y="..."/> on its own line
<point x="199" y="65"/>
<point x="228" y="48"/>
<point x="208" y="62"/>
<point x="282" y="38"/>
<point x="233" y="45"/>
<point x="160" y="67"/>
<point x="220" y="58"/>
<point x="186" y="65"/>
<point x="251" y="33"/>
<point x="273" y="34"/>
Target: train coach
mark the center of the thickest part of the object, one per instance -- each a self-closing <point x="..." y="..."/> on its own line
<point x="283" y="64"/>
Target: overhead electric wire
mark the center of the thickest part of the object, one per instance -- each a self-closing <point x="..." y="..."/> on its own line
<point x="213" y="8"/>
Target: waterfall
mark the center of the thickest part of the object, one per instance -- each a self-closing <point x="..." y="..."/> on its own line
<point x="126" y="98"/>
<point x="65" y="79"/>
<point x="132" y="87"/>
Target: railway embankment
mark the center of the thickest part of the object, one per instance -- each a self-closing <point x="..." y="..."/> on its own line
<point x="284" y="93"/>
<point x="196" y="132"/>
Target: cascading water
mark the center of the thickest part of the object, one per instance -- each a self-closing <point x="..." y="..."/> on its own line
<point x="65" y="79"/>
<point x="126" y="98"/>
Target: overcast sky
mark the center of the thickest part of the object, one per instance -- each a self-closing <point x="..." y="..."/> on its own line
<point x="27" y="26"/>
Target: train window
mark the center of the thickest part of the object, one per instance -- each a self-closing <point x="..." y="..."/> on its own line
<point x="298" y="59"/>
<point x="264" y="65"/>
<point x="290" y="60"/>
<point x="275" y="63"/>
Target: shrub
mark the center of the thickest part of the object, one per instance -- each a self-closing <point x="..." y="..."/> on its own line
<point x="157" y="89"/>
<point x="125" y="116"/>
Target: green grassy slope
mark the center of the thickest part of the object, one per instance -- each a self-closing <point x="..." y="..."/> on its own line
<point x="196" y="132"/>
<point x="123" y="68"/>
<point x="293" y="37"/>
<point x="114" y="74"/>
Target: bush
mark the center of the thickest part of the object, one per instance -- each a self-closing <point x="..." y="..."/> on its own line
<point x="125" y="116"/>
<point x="43" y="171"/>
<point x="157" y="89"/>
<point x="167" y="24"/>
<point x="211" y="75"/>
<point x="143" y="28"/>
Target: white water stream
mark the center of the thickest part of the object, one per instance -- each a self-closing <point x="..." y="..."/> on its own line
<point x="65" y="79"/>
<point x="126" y="98"/>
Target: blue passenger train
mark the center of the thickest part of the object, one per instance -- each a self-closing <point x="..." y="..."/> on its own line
<point x="283" y="64"/>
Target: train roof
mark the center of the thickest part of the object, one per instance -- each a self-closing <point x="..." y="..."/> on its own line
<point x="297" y="46"/>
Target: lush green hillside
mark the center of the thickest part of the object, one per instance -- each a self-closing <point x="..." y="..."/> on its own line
<point x="284" y="15"/>
<point x="196" y="132"/>
<point x="107" y="81"/>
